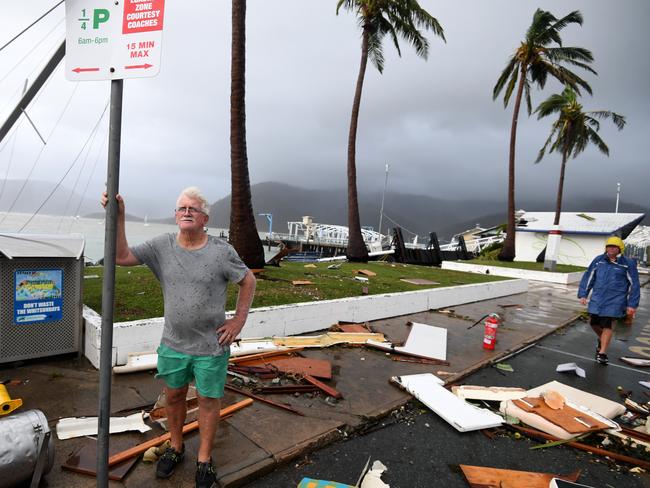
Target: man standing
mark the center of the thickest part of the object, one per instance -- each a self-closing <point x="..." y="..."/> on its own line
<point x="613" y="281"/>
<point x="194" y="270"/>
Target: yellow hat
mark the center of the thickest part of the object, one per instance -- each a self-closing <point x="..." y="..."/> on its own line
<point x="615" y="241"/>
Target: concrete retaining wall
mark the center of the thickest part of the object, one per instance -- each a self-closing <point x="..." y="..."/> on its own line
<point x="300" y="318"/>
<point x="562" y="278"/>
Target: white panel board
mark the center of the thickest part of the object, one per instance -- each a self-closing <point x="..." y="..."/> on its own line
<point x="461" y="415"/>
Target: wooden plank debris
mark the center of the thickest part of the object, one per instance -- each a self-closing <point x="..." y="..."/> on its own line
<point x="327" y="389"/>
<point x="583" y="447"/>
<point x="419" y="281"/>
<point x="437" y="362"/>
<point x="264" y="400"/>
<point x="570" y="419"/>
<point x="140" y="448"/>
<point x="482" y="477"/>
<point x="301" y="282"/>
<point x="365" y="272"/>
<point x="328" y="339"/>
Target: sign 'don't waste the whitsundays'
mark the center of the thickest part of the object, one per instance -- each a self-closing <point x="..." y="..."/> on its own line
<point x="38" y="295"/>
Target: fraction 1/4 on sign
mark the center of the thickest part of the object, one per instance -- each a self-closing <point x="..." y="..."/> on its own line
<point x="100" y="15"/>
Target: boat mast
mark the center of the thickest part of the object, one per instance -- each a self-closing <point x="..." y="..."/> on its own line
<point x="383" y="195"/>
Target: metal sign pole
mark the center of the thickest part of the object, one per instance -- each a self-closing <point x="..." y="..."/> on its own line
<point x="108" y="290"/>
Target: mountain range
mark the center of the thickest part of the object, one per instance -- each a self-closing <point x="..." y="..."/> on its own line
<point x="416" y="214"/>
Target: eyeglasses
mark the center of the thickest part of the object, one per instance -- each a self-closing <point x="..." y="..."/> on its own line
<point x="191" y="210"/>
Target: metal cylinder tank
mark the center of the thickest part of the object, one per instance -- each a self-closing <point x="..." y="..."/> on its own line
<point x="22" y="438"/>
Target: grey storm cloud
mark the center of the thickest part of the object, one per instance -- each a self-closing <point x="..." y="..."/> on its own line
<point x="434" y="121"/>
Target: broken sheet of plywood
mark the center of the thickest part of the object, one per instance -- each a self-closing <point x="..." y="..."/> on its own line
<point x="570" y="419"/>
<point x="488" y="393"/>
<point x="602" y="406"/>
<point x="69" y="428"/>
<point x="424" y="341"/>
<point x="419" y="281"/>
<point x="320" y="368"/>
<point x="483" y="477"/>
<point x="461" y="415"/>
<point x="84" y="460"/>
<point x="365" y="272"/>
<point x="509" y="408"/>
<point x="328" y="339"/>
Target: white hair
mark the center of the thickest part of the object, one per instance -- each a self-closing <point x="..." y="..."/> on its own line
<point x="195" y="193"/>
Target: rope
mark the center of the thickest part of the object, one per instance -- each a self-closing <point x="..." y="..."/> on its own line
<point x="404" y="228"/>
<point x="29" y="26"/>
<point x="74" y="187"/>
<point x="68" y="171"/>
<point x="32" y="50"/>
<point x="22" y="188"/>
<point x="90" y="177"/>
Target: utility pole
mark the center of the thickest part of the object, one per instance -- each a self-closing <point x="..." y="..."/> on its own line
<point x="383" y="195"/>
<point x="618" y="194"/>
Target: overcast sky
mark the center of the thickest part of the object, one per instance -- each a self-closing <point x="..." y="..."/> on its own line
<point x="434" y="121"/>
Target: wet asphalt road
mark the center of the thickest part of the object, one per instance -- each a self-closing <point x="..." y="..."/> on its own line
<point x="421" y="450"/>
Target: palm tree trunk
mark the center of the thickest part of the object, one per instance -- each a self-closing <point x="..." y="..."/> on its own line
<point x="243" y="232"/>
<point x="508" y="250"/>
<point x="560" y="188"/>
<point x="356" y="250"/>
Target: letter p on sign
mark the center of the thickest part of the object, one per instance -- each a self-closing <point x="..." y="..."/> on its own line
<point x="100" y="15"/>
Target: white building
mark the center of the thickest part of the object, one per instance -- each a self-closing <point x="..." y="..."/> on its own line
<point x="583" y="234"/>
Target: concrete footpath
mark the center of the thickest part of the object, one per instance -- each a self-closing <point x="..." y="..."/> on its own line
<point x="257" y="439"/>
<point x="421" y="450"/>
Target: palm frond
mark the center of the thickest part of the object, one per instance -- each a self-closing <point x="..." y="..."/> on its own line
<point x="598" y="142"/>
<point x="505" y="74"/>
<point x="511" y="86"/>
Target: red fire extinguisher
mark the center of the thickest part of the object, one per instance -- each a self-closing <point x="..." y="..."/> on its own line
<point x="490" y="334"/>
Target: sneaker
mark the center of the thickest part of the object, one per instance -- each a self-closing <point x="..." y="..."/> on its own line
<point x="206" y="475"/>
<point x="168" y="461"/>
<point x="602" y="358"/>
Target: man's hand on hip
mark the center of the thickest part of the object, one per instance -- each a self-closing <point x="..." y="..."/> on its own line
<point x="229" y="331"/>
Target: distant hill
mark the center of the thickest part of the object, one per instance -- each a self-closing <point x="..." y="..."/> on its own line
<point x="419" y="214"/>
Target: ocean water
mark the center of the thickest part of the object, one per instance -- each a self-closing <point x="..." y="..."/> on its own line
<point x="93" y="230"/>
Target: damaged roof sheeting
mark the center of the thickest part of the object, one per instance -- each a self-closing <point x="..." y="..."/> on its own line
<point x="42" y="245"/>
<point x="424" y="341"/>
<point x="463" y="416"/>
<point x="69" y="428"/>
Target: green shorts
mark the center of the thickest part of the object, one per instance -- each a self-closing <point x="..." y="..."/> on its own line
<point x="179" y="369"/>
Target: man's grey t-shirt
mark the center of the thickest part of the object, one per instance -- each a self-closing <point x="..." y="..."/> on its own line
<point x="194" y="284"/>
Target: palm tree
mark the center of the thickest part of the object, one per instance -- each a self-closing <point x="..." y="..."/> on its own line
<point x="377" y="18"/>
<point x="572" y="132"/>
<point x="533" y="61"/>
<point x="243" y="232"/>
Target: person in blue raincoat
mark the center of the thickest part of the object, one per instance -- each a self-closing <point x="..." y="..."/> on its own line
<point x="613" y="281"/>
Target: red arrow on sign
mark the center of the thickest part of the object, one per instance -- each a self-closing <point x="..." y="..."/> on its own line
<point x="139" y="66"/>
<point x="81" y="70"/>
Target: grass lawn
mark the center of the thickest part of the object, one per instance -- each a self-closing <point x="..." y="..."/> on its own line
<point x="561" y="268"/>
<point x="138" y="294"/>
